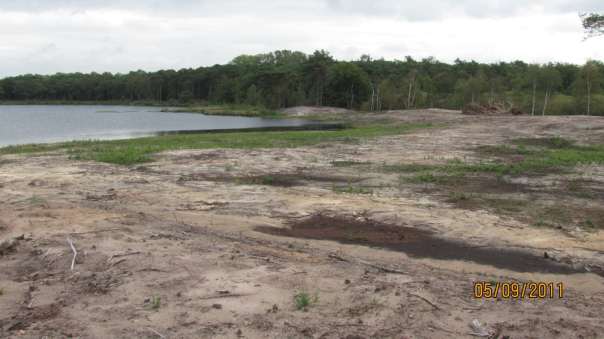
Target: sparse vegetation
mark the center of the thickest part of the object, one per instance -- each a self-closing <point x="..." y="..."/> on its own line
<point x="36" y="200"/>
<point x="533" y="157"/>
<point x="349" y="163"/>
<point x="472" y="185"/>
<point x="134" y="151"/>
<point x="351" y="189"/>
<point x="230" y="109"/>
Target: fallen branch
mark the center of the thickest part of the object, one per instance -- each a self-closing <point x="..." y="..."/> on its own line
<point x="426" y="300"/>
<point x="100" y="231"/>
<point x="75" y="253"/>
<point x="366" y="263"/>
<point x="158" y="334"/>
<point x="122" y="255"/>
<point x="230" y="295"/>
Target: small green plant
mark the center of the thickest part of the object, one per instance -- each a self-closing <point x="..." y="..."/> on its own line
<point x="1" y="291"/>
<point x="36" y="200"/>
<point x="589" y="224"/>
<point x="155" y="302"/>
<point x="303" y="300"/>
<point x="425" y="178"/>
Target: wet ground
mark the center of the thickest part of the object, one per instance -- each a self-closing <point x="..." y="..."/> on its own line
<point x="419" y="243"/>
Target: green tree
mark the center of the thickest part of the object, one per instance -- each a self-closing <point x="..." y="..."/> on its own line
<point x="551" y="81"/>
<point x="315" y="70"/>
<point x="252" y="97"/>
<point x="532" y="78"/>
<point x="348" y="85"/>
<point x="593" y="23"/>
<point x="588" y="81"/>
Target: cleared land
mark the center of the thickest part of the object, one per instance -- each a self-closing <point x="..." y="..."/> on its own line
<point x="375" y="231"/>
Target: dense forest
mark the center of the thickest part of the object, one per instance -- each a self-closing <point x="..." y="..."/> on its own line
<point x="288" y="78"/>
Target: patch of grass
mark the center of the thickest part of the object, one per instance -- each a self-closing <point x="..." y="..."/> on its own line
<point x="553" y="142"/>
<point x="431" y="178"/>
<point x="545" y="161"/>
<point x="36" y="201"/>
<point x="1" y="291"/>
<point x="121" y="155"/>
<point x="349" y="163"/>
<point x="279" y="180"/>
<point x="303" y="300"/>
<point x="408" y="168"/>
<point x="133" y="151"/>
<point x="236" y="110"/>
<point x="504" y="206"/>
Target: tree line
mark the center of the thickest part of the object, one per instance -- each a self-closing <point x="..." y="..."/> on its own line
<point x="289" y="78"/>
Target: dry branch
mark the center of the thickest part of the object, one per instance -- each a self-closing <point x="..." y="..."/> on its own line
<point x="75" y="253"/>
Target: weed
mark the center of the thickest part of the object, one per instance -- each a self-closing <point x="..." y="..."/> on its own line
<point x="303" y="300"/>
<point x="588" y="224"/>
<point x="155" y="302"/>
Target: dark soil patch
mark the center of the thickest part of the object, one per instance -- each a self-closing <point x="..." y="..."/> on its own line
<point x="583" y="188"/>
<point x="554" y="142"/>
<point x="416" y="243"/>
<point x="27" y="317"/>
<point x="274" y="179"/>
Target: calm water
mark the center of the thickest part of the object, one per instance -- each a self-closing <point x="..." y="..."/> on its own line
<point x="42" y="124"/>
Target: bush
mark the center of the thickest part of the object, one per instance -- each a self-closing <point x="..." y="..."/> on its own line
<point x="561" y="104"/>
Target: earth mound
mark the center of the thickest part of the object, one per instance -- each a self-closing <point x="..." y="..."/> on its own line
<point x="495" y="109"/>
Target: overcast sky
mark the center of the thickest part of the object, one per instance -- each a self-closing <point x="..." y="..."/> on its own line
<point x="48" y="36"/>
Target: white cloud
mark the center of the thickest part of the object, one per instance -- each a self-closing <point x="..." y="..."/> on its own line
<point x="87" y="35"/>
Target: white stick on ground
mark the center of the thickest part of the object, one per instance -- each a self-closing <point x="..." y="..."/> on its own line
<point x="75" y="253"/>
<point x="159" y="334"/>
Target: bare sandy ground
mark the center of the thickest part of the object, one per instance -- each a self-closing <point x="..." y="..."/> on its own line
<point x="181" y="248"/>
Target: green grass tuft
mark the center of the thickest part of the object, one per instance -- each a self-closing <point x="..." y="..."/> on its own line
<point x="303" y="301"/>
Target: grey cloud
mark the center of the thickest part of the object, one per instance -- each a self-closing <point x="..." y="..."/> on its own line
<point x="408" y="10"/>
<point x="189" y="33"/>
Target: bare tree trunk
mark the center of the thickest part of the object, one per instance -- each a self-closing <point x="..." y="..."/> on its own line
<point x="545" y="101"/>
<point x="371" y="104"/>
<point x="492" y="96"/>
<point x="410" y="92"/>
<point x="588" y="97"/>
<point x="534" y="97"/>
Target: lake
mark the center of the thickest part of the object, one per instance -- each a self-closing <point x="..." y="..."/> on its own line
<point x="25" y="124"/>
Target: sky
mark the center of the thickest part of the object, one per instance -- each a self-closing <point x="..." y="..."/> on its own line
<point x="49" y="36"/>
